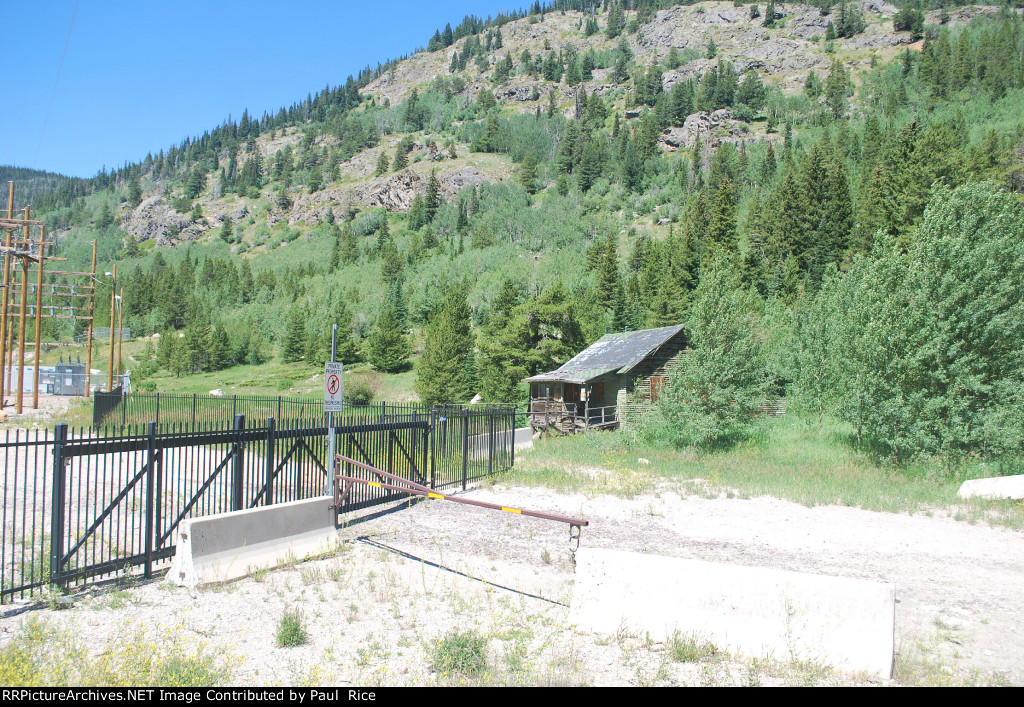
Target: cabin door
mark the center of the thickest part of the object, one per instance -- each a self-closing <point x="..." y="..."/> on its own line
<point x="572" y="396"/>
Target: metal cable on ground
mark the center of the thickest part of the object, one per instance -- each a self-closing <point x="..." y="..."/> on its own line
<point x="401" y="553"/>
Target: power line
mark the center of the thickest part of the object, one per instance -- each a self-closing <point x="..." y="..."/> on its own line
<point x="53" y="94"/>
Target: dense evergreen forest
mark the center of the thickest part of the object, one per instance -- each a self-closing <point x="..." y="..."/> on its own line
<point x="853" y="242"/>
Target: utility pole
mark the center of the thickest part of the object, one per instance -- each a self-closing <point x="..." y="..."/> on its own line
<point x="39" y="319"/>
<point x="21" y="322"/>
<point x="113" y="296"/>
<point x="92" y="315"/>
<point x="7" y="288"/>
<point x="120" y="329"/>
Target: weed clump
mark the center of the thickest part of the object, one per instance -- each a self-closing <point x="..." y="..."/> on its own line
<point x="691" y="648"/>
<point x="39" y="654"/>
<point x="291" y="630"/>
<point x="460" y="652"/>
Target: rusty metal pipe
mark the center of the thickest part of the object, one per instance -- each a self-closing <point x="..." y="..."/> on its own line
<point x="415" y="489"/>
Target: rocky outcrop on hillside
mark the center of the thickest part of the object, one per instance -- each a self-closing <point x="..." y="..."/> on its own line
<point x="154" y="218"/>
<point x="783" y="55"/>
<point x="712" y="128"/>
<point x="392" y="192"/>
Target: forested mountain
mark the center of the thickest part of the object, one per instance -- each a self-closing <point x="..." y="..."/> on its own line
<point x="531" y="181"/>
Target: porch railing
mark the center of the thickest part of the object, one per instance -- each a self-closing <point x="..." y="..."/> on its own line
<point x="547" y="413"/>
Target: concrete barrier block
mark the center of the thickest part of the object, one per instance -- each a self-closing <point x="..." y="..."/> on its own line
<point x="523" y="437"/>
<point x="757" y="612"/>
<point x="996" y="488"/>
<point x="226" y="546"/>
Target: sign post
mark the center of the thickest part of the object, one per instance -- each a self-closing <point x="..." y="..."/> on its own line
<point x="333" y="386"/>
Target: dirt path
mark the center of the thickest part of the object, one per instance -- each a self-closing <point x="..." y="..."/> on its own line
<point x="404" y="580"/>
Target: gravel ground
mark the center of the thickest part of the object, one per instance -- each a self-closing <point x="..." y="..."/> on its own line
<point x="403" y="580"/>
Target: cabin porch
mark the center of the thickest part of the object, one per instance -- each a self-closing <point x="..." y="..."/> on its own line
<point x="566" y="408"/>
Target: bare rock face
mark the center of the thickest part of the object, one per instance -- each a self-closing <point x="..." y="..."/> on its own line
<point x="458" y="179"/>
<point x="880" y="7"/>
<point x="713" y="129"/>
<point x="152" y="219"/>
<point x="772" y="51"/>
<point x="393" y="192"/>
<point x="517" y="94"/>
<point x="313" y="208"/>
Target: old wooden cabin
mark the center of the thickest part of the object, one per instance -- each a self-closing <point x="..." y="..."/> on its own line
<point x="595" y="387"/>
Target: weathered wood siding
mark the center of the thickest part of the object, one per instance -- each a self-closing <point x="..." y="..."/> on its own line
<point x="635" y="396"/>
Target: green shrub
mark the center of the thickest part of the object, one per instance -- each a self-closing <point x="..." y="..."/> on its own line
<point x="291" y="631"/>
<point x="691" y="648"/>
<point x="362" y="388"/>
<point x="925" y="341"/>
<point x="460" y="652"/>
<point x="712" y="394"/>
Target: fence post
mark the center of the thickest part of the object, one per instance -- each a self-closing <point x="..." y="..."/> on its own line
<point x="416" y="472"/>
<point x="150" y="496"/>
<point x="512" y="445"/>
<point x="278" y="408"/>
<point x="429" y="450"/>
<point x="490" y="442"/>
<point x="269" y="495"/>
<point x="238" y="465"/>
<point x="158" y="409"/>
<point x="234" y="406"/>
<point x="193" y="412"/>
<point x="60" y="437"/>
<point x="124" y="409"/>
<point x="465" y="445"/>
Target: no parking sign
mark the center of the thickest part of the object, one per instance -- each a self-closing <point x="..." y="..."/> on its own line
<point x="333" y="386"/>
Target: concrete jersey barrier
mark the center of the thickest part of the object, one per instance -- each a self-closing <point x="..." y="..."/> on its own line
<point x="226" y="546"/>
<point x="995" y="488"/>
<point x="754" y="611"/>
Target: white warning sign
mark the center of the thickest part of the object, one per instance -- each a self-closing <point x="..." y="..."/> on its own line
<point x="333" y="386"/>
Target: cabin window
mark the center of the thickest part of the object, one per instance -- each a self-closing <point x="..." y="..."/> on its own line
<point x="597" y="396"/>
<point x="657" y="387"/>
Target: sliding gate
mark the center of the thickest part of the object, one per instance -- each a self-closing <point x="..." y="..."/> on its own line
<point x="106" y="505"/>
<point x="118" y="502"/>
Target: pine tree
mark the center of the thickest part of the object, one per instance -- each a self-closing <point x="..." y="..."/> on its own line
<point x="104" y="218"/>
<point x="527" y="174"/>
<point x="616" y="20"/>
<point x="387" y="348"/>
<point x="401" y="160"/>
<point x="574" y="72"/>
<point x="382" y="164"/>
<point x="722" y="222"/>
<point x="134" y="191"/>
<point x="608" y="275"/>
<point x="589" y="63"/>
<point x="219" y="351"/>
<point x="713" y="392"/>
<point x="433" y="200"/>
<point x="836" y="86"/>
<point x="441" y="377"/>
<point x="293" y="347"/>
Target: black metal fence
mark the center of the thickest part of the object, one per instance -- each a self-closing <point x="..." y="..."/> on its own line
<point x="191" y="412"/>
<point x="79" y="505"/>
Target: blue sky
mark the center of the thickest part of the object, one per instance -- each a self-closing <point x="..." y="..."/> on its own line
<point x="140" y="76"/>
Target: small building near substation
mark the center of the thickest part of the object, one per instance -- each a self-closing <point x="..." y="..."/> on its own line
<point x="596" y="388"/>
<point x="63" y="379"/>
